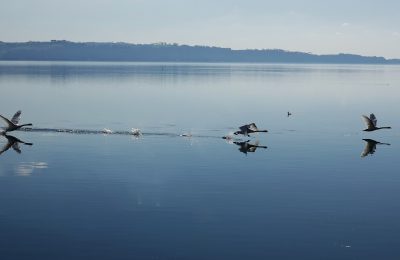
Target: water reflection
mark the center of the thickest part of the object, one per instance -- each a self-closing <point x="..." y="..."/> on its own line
<point x="126" y="70"/>
<point x="27" y="168"/>
<point x="247" y="147"/>
<point x="370" y="147"/>
<point x="12" y="142"/>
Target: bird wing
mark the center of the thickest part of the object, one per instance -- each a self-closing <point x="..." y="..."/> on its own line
<point x="252" y="127"/>
<point x="16" y="148"/>
<point x="368" y="122"/>
<point x="16" y="117"/>
<point x="373" y="119"/>
<point x="244" y="128"/>
<point x="9" y="123"/>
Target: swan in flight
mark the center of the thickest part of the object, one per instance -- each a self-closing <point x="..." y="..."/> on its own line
<point x="12" y="142"/>
<point x="248" y="129"/>
<point x="371" y="123"/>
<point x="370" y="147"/>
<point x="247" y="147"/>
<point x="12" y="124"/>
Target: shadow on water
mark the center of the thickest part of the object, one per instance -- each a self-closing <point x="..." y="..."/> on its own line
<point x="12" y="142"/>
<point x="370" y="147"/>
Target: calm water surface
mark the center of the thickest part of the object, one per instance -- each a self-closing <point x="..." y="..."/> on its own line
<point x="308" y="195"/>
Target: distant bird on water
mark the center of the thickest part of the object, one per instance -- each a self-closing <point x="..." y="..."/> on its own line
<point x="370" y="147"/>
<point x="107" y="131"/>
<point x="289" y="114"/>
<point x="12" y="124"/>
<point x="248" y="129"/>
<point x="371" y="123"/>
<point x="12" y="142"/>
<point x="136" y="132"/>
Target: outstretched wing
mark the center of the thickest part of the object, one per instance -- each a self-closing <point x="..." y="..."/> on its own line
<point x="368" y="122"/>
<point x="8" y="122"/>
<point x="244" y="128"/>
<point x="16" y="117"/>
<point x="252" y="127"/>
<point x="373" y="119"/>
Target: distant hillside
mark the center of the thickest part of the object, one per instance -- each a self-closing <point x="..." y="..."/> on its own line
<point x="92" y="51"/>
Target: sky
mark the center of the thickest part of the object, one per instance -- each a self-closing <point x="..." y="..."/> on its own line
<point x="322" y="27"/>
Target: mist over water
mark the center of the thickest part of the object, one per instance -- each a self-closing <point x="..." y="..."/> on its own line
<point x="310" y="193"/>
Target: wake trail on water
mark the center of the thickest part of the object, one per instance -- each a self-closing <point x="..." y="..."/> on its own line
<point x="109" y="132"/>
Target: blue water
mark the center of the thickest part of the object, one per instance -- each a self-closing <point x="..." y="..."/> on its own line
<point x="308" y="195"/>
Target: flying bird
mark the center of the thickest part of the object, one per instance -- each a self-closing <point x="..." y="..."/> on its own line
<point x="370" y="147"/>
<point x="248" y="129"/>
<point x="12" y="124"/>
<point x="371" y="123"/>
<point x="247" y="147"/>
<point x="14" y="143"/>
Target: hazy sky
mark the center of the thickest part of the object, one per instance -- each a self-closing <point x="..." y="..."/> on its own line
<point x="351" y="26"/>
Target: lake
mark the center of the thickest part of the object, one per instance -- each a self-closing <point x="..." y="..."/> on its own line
<point x="314" y="189"/>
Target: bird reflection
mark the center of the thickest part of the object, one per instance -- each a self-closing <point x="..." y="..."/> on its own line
<point x="247" y="147"/>
<point x="370" y="147"/>
<point x="12" y="142"/>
